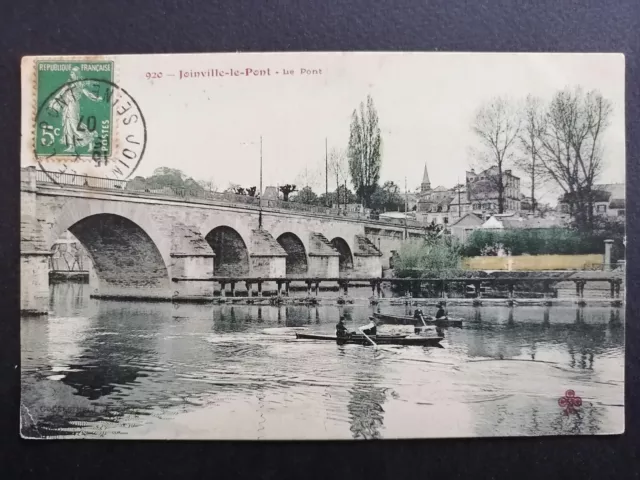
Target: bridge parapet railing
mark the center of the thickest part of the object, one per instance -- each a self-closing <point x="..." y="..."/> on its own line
<point x="113" y="184"/>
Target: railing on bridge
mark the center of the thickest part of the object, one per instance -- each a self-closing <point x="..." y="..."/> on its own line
<point x="115" y="185"/>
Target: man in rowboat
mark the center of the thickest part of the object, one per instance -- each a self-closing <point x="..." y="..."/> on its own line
<point x="341" y="330"/>
<point x="440" y="313"/>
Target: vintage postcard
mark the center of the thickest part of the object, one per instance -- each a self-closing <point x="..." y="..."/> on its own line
<point x="322" y="245"/>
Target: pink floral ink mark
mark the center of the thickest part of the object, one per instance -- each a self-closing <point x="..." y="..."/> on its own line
<point x="570" y="402"/>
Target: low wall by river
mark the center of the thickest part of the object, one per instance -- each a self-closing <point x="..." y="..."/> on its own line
<point x="533" y="262"/>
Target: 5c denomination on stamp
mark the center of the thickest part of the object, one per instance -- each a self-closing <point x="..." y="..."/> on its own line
<point x="85" y="123"/>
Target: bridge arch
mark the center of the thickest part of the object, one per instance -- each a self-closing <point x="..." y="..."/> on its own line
<point x="126" y="259"/>
<point x="232" y="255"/>
<point x="346" y="257"/>
<point x="76" y="209"/>
<point x="296" y="263"/>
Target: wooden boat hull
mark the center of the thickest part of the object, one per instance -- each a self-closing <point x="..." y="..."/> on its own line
<point x="397" y="319"/>
<point x="378" y="339"/>
<point x="406" y="320"/>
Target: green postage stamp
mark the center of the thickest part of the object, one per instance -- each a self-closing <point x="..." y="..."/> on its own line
<point x="74" y="109"/>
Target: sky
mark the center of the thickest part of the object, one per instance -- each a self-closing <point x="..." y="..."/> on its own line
<point x="210" y="127"/>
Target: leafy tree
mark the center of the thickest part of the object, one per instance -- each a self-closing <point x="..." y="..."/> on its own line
<point x="364" y="151"/>
<point x="239" y="191"/>
<point x="387" y="198"/>
<point x="337" y="198"/>
<point x="251" y="191"/>
<point x="429" y="258"/>
<point x="287" y="190"/>
<point x="165" y="177"/>
<point x="307" y="196"/>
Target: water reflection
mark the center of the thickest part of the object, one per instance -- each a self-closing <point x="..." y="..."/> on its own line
<point x="365" y="406"/>
<point x="95" y="367"/>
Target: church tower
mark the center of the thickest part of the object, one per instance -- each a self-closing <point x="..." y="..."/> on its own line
<point x="425" y="186"/>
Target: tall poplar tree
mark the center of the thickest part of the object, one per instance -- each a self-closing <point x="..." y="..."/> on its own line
<point x="364" y="151"/>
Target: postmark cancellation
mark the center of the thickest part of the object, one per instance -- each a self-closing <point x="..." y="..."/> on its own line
<point x="83" y="122"/>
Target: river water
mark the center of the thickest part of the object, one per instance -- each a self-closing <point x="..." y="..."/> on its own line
<point x="102" y="369"/>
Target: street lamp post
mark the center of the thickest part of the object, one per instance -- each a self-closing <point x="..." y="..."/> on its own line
<point x="260" y="193"/>
<point x="406" y="206"/>
<point x="260" y="197"/>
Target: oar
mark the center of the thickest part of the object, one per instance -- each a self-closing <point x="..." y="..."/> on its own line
<point x="367" y="336"/>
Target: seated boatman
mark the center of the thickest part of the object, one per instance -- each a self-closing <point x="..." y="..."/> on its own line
<point x="440" y="313"/>
<point x="341" y="330"/>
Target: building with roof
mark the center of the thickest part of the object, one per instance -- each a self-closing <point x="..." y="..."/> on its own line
<point x="433" y="204"/>
<point x="512" y="221"/>
<point x="609" y="199"/>
<point x="479" y="195"/>
<point x="482" y="190"/>
<point x="464" y="226"/>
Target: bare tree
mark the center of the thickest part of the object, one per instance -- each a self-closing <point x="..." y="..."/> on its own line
<point x="311" y="177"/>
<point x="208" y="185"/>
<point x="533" y="126"/>
<point x="497" y="125"/>
<point x="338" y="166"/>
<point x="571" y="150"/>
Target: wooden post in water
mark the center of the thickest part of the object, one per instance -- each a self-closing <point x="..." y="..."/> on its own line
<point x="223" y="289"/>
<point x="545" y="289"/>
<point x="249" y="286"/>
<point x="345" y="286"/>
<point x="233" y="289"/>
<point x="259" y="288"/>
<point x="379" y="288"/>
<point x="308" y="288"/>
<point x="286" y="287"/>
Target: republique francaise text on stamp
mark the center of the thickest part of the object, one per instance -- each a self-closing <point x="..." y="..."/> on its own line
<point x="85" y="123"/>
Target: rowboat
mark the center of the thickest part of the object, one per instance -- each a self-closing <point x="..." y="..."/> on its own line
<point x="378" y="339"/>
<point x="409" y="320"/>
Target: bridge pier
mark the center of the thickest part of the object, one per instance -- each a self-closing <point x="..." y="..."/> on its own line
<point x="192" y="258"/>
<point x="367" y="258"/>
<point x="34" y="256"/>
<point x="34" y="282"/>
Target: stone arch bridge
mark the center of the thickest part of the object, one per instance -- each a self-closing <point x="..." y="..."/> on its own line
<point x="141" y="242"/>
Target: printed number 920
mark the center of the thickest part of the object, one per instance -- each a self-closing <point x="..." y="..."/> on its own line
<point x="153" y="75"/>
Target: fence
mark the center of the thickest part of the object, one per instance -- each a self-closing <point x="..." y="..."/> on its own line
<point x="100" y="183"/>
<point x="535" y="262"/>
